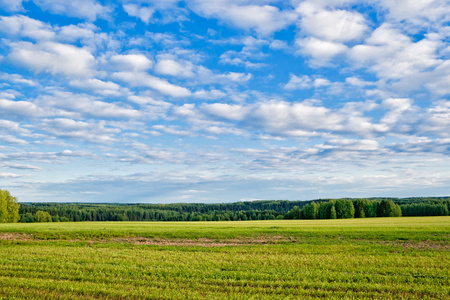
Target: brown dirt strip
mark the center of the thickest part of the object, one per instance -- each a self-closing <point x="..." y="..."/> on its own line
<point x="205" y="242"/>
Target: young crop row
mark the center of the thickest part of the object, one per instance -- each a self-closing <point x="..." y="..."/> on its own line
<point x="53" y="270"/>
<point x="401" y="258"/>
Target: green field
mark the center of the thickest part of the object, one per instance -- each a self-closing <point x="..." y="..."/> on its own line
<point x="382" y="258"/>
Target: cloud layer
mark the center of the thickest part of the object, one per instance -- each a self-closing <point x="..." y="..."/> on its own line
<point x="147" y="101"/>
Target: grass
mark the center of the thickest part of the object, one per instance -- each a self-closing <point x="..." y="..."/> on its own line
<point x="384" y="258"/>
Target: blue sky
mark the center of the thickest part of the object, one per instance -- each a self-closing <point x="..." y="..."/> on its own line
<point x="224" y="101"/>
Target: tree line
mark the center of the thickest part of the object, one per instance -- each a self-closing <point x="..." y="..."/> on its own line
<point x="346" y="209"/>
<point x="239" y="211"/>
<point x="11" y="211"/>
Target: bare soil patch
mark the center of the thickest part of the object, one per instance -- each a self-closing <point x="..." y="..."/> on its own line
<point x="15" y="236"/>
<point x="420" y="245"/>
<point x="202" y="242"/>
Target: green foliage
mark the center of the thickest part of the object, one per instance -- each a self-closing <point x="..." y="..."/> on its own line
<point x="387" y="208"/>
<point x="359" y="208"/>
<point x="344" y="209"/>
<point x="425" y="209"/>
<point x="333" y="213"/>
<point x="310" y="211"/>
<point x="370" y="209"/>
<point x="327" y="210"/>
<point x="9" y="208"/>
<point x="43" y="216"/>
<point x="294" y="213"/>
<point x="240" y="211"/>
<point x="27" y="218"/>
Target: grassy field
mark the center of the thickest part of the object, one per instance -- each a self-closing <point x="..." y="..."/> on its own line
<point x="382" y="258"/>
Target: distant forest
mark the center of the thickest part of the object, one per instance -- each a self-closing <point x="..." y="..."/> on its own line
<point x="239" y="211"/>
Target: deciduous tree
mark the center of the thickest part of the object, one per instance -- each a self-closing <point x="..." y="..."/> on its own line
<point x="9" y="208"/>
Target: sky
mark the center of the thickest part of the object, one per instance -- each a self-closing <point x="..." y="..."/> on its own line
<point x="220" y="101"/>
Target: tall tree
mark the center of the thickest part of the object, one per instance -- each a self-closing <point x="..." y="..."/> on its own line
<point x="387" y="208"/>
<point x="359" y="208"/>
<point x="344" y="209"/>
<point x="9" y="208"/>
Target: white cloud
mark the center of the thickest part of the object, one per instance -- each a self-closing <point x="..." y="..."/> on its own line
<point x="131" y="62"/>
<point x="145" y="154"/>
<point x="172" y="130"/>
<point x="26" y="27"/>
<point x="235" y="58"/>
<point x="11" y="5"/>
<point x="438" y="81"/>
<point x="278" y="45"/>
<point x="85" y="9"/>
<point x="264" y="19"/>
<point x="392" y="55"/>
<point x="436" y="119"/>
<point x="422" y="13"/>
<point x="320" y="51"/>
<point x="174" y="68"/>
<point x="86" y="105"/>
<point x="226" y="111"/>
<point x="224" y="130"/>
<point x="337" y="26"/>
<point x="144" y="79"/>
<point x="10" y="139"/>
<point x="305" y="82"/>
<point x="9" y="175"/>
<point x="73" y="33"/>
<point x="79" y="130"/>
<point x="358" y="82"/>
<point x="13" y="109"/>
<point x="208" y="95"/>
<point x="54" y="58"/>
<point x="23" y="167"/>
<point x="143" y="13"/>
<point x="106" y="88"/>
<point x="16" y="78"/>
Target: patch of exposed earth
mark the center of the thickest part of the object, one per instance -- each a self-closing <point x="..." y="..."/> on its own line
<point x="207" y="242"/>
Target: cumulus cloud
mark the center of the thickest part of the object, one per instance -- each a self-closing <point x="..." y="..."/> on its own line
<point x="263" y="19"/>
<point x="143" y="13"/>
<point x="97" y="132"/>
<point x="171" y="65"/>
<point x="84" y="9"/>
<point x="26" y="27"/>
<point x="305" y="82"/>
<point x="106" y="88"/>
<point x="11" y="5"/>
<point x="174" y="68"/>
<point x="423" y="13"/>
<point x="393" y="55"/>
<point x="337" y="26"/>
<point x="226" y="111"/>
<point x="172" y="130"/>
<point x="217" y="130"/>
<point x="53" y="58"/>
<point x="20" y="109"/>
<point x="146" y="80"/>
<point x="131" y="62"/>
<point x="320" y="51"/>
<point x="17" y="79"/>
<point x="87" y="106"/>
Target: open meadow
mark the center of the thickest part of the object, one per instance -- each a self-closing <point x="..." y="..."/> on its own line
<point x="379" y="258"/>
